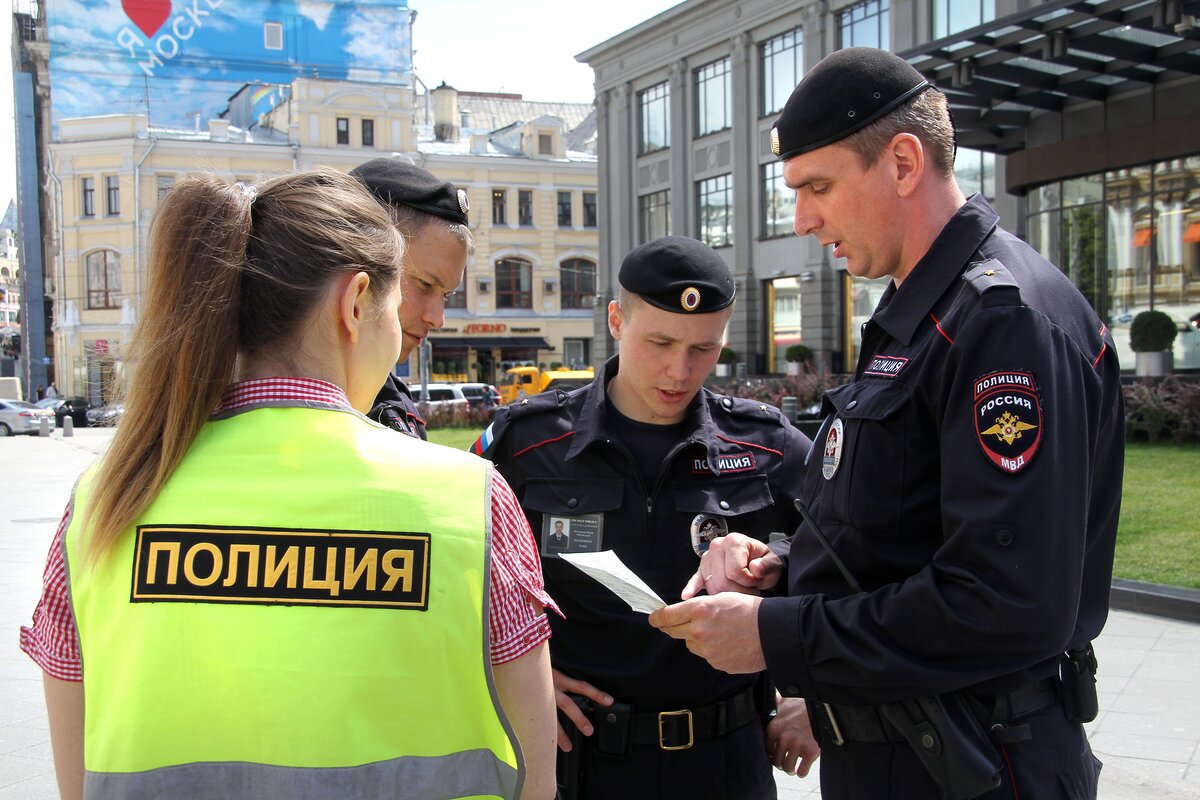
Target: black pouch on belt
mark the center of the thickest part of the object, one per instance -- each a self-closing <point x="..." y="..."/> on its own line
<point x="950" y="742"/>
<point x="612" y="729"/>
<point x="1077" y="669"/>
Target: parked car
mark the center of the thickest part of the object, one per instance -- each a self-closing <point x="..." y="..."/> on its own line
<point x="107" y="415"/>
<point x="74" y="407"/>
<point x="481" y="395"/>
<point x="17" y="416"/>
<point x="441" y="395"/>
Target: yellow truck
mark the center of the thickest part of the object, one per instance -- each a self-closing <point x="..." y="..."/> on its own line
<point x="521" y="381"/>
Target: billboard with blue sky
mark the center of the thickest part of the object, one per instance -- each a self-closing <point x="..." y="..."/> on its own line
<point x="176" y="59"/>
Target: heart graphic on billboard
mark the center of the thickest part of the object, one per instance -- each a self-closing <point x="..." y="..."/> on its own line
<point x="148" y="15"/>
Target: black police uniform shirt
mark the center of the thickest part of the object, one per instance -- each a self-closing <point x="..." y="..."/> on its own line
<point x="970" y="479"/>
<point x="394" y="407"/>
<point x="735" y="458"/>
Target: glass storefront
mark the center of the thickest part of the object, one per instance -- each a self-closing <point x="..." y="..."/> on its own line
<point x="1130" y="240"/>
<point x="783" y="295"/>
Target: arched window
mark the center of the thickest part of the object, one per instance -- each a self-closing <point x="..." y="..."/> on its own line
<point x="514" y="283"/>
<point x="104" y="279"/>
<point x="577" y="276"/>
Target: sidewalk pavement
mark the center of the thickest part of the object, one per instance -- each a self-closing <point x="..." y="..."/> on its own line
<point x="1147" y="734"/>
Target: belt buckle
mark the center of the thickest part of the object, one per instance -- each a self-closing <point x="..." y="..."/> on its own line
<point x="838" y="738"/>
<point x="691" y="730"/>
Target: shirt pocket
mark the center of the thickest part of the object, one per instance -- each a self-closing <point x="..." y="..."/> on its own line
<point x="581" y="598"/>
<point x="559" y="497"/>
<point x="867" y="488"/>
<point x="745" y="501"/>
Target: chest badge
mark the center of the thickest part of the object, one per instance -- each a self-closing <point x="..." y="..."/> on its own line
<point x="705" y="528"/>
<point x="1008" y="419"/>
<point x="833" y="449"/>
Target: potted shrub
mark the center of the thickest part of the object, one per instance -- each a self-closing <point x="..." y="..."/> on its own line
<point x="1151" y="336"/>
<point x="725" y="362"/>
<point x="798" y="356"/>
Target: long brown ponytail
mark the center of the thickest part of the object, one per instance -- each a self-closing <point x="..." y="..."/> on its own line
<point x="232" y="269"/>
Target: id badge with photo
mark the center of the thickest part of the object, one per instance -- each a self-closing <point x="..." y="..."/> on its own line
<point x="581" y="533"/>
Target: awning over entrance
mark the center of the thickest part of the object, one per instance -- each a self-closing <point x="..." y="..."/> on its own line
<point x="1053" y="55"/>
<point x="488" y="342"/>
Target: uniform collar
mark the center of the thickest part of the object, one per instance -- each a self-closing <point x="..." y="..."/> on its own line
<point x="902" y="310"/>
<point x="593" y="422"/>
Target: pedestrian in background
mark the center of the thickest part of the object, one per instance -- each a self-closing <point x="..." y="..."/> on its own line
<point x="249" y="568"/>
<point x="967" y="482"/>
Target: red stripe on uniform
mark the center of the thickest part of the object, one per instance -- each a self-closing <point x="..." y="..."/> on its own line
<point x="749" y="444"/>
<point x="939" y="328"/>
<point x="544" y="441"/>
<point x="1100" y="355"/>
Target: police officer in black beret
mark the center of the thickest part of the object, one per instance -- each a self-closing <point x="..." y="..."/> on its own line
<point x="432" y="215"/>
<point x="648" y="463"/>
<point x="969" y="478"/>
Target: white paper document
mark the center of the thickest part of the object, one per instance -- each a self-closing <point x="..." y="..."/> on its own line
<point x="618" y="578"/>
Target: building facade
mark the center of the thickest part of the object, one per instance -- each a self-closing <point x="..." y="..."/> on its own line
<point x="1075" y="120"/>
<point x="527" y="295"/>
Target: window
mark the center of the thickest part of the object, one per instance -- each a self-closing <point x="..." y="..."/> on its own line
<point x="545" y="144"/>
<point x="575" y="353"/>
<point x="499" y="206"/>
<point x="778" y="202"/>
<point x="564" y="209"/>
<point x="112" y="195"/>
<point x="952" y="16"/>
<point x="525" y="207"/>
<point x="577" y="276"/>
<point x="589" y="209"/>
<point x="654" y="111"/>
<point x="712" y="97"/>
<point x="714" y="211"/>
<point x="368" y="133"/>
<point x="458" y="298"/>
<point x="273" y="35"/>
<point x="865" y="25"/>
<point x="975" y="171"/>
<point x="104" y="279"/>
<point x="164" y="183"/>
<point x="514" y="279"/>
<point x="782" y="61"/>
<point x="654" y="215"/>
<point x="88" y="196"/>
<point x="343" y="130"/>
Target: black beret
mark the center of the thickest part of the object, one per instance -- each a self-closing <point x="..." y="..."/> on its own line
<point x="678" y="274"/>
<point x="846" y="91"/>
<point x="396" y="182"/>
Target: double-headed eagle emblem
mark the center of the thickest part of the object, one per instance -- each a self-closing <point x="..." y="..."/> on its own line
<point x="1009" y="428"/>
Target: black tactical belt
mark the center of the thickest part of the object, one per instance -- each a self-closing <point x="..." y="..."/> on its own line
<point x="840" y="724"/>
<point x="680" y="729"/>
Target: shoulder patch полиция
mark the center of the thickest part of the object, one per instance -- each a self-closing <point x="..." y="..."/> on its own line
<point x="1008" y="418"/>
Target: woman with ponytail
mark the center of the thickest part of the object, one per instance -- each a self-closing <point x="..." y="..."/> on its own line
<point x="275" y="596"/>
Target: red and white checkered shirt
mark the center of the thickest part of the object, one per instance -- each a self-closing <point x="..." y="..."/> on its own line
<point x="515" y="619"/>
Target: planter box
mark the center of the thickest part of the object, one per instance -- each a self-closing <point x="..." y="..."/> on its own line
<point x="1152" y="365"/>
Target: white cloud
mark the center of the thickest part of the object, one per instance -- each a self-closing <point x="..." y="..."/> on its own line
<point x="374" y="38"/>
<point x="315" y="10"/>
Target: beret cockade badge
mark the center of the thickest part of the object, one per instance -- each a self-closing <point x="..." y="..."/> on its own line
<point x="690" y="299"/>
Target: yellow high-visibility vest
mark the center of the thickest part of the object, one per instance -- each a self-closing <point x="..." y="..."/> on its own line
<point x="300" y="613"/>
